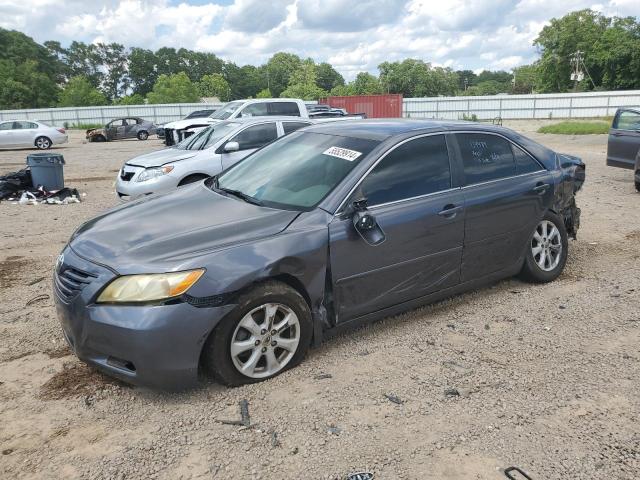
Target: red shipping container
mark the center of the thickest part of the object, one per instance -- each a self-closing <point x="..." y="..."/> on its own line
<point x="375" y="106"/>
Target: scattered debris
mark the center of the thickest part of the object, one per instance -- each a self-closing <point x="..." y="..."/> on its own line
<point x="294" y="451"/>
<point x="394" y="399"/>
<point x="322" y="376"/>
<point x="486" y="326"/>
<point x="245" y="419"/>
<point x="509" y="475"/>
<point x="37" y="298"/>
<point x="7" y="451"/>
<point x="360" y="476"/>
<point x="332" y="429"/>
<point x="451" y="392"/>
<point x="275" y="441"/>
<point x="60" y="352"/>
<point x="37" y="280"/>
<point x="363" y="353"/>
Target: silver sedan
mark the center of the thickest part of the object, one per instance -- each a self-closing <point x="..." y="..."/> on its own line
<point x="29" y="133"/>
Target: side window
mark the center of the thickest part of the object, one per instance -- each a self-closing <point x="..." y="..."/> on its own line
<point x="24" y="125"/>
<point x="287" y="109"/>
<point x="256" y="136"/>
<point x="627" y="120"/>
<point x="415" y="168"/>
<point x="255" y="110"/>
<point x="524" y="162"/>
<point x="6" y="126"/>
<point x="293" y="126"/>
<point x="485" y="157"/>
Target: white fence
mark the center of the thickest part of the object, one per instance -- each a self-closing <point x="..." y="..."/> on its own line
<point x="58" y="117"/>
<point x="543" y="106"/>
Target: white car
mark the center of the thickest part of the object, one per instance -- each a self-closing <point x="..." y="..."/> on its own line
<point x="175" y="132"/>
<point x="29" y="133"/>
<point x="202" y="155"/>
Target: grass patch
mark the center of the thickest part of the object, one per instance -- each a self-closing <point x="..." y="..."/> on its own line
<point x="576" y="128"/>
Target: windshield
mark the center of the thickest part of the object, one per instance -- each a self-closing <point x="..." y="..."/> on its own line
<point x="226" y="110"/>
<point x="207" y="137"/>
<point x="296" y="172"/>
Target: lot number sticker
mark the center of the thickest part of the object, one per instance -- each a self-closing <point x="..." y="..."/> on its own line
<point x="343" y="153"/>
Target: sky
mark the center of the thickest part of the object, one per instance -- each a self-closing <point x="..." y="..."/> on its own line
<point x="352" y="35"/>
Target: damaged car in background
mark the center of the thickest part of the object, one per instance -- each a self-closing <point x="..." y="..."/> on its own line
<point x="202" y="155"/>
<point x="121" y="129"/>
<point x="329" y="227"/>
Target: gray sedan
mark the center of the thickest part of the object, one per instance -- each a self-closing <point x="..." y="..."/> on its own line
<point x="122" y="128"/>
<point x="329" y="227"/>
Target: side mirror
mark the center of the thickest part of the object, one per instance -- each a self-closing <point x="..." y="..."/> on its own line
<point x="231" y="147"/>
<point x="365" y="223"/>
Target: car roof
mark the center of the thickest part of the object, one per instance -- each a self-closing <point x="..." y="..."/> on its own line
<point x="267" y="118"/>
<point x="383" y="128"/>
<point x="262" y="100"/>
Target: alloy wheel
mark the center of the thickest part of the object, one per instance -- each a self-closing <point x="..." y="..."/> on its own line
<point x="265" y="340"/>
<point x="43" y="143"/>
<point x="546" y="246"/>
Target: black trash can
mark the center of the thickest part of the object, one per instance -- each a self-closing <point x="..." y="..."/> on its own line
<point x="46" y="170"/>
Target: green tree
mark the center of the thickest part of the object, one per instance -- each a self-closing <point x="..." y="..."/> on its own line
<point x="214" y="85"/>
<point x="525" y="79"/>
<point x="114" y="60"/>
<point x="79" y="92"/>
<point x="279" y="69"/>
<point x="303" y="83"/>
<point x="176" y="88"/>
<point x="84" y="60"/>
<point x="142" y="70"/>
<point x="327" y="77"/>
<point x="366" y="84"/>
<point x="416" y="78"/>
<point x="133" y="99"/>
<point x="264" y="93"/>
<point x="245" y="82"/>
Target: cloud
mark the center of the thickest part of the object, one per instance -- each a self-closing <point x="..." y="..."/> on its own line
<point x="353" y="35"/>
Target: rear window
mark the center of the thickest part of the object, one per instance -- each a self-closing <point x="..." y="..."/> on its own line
<point x="286" y="109"/>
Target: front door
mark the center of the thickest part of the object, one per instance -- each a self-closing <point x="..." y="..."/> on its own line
<point x="624" y="139"/>
<point x="506" y="193"/>
<point x="7" y="134"/>
<point x="421" y="212"/>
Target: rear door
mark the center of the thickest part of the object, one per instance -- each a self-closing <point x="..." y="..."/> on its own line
<point x="506" y="192"/>
<point x="420" y="209"/>
<point x="24" y="133"/>
<point x="249" y="140"/>
<point x="288" y="127"/>
<point x="131" y="129"/>
<point x="624" y="139"/>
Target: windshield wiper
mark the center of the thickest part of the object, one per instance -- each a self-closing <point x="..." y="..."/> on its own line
<point x="236" y="193"/>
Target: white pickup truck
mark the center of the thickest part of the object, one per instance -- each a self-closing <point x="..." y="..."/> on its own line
<point x="175" y="132"/>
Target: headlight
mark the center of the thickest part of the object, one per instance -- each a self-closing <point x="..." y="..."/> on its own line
<point x="149" y="173"/>
<point x="147" y="288"/>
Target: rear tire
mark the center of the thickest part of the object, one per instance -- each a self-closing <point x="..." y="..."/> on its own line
<point x="43" y="143"/>
<point x="192" y="179"/>
<point x="98" y="138"/>
<point x="143" y="135"/>
<point x="547" y="250"/>
<point x="637" y="186"/>
<point x="249" y="330"/>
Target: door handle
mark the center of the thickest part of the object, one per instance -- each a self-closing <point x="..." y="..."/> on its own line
<point x="541" y="188"/>
<point x="450" y="210"/>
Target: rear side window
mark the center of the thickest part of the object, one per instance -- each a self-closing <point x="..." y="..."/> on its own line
<point x="254" y="110"/>
<point x="485" y="157"/>
<point x="256" y="136"/>
<point x="287" y="109"/>
<point x="6" y="126"/>
<point x="627" y="120"/>
<point x="293" y="126"/>
<point x="524" y="162"/>
<point x="415" y="168"/>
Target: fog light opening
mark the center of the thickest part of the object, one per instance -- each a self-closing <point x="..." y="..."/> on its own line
<point x="121" y="364"/>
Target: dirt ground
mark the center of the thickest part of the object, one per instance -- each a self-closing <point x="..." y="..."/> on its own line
<point x="543" y="377"/>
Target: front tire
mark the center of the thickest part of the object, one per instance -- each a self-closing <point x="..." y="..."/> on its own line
<point x="637" y="186"/>
<point x="267" y="333"/>
<point x="43" y="143"/>
<point x="143" y="135"/>
<point x="547" y="250"/>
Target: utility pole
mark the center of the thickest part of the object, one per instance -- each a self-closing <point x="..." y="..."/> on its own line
<point x="576" y="68"/>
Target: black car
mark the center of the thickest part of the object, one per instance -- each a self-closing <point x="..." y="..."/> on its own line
<point x="623" y="149"/>
<point x="328" y="227"/>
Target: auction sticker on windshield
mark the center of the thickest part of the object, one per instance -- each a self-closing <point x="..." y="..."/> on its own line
<point x="343" y="153"/>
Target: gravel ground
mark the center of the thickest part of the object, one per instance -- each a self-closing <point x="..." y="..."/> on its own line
<point x="541" y="377"/>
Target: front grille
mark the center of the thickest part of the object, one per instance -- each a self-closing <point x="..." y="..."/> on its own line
<point x="70" y="281"/>
<point x="126" y="176"/>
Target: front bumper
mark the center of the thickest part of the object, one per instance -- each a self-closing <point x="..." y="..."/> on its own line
<point x="128" y="188"/>
<point x="151" y="345"/>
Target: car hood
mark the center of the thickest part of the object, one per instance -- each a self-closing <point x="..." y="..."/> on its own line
<point x="166" y="232"/>
<point x="181" y="124"/>
<point x="161" y="157"/>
